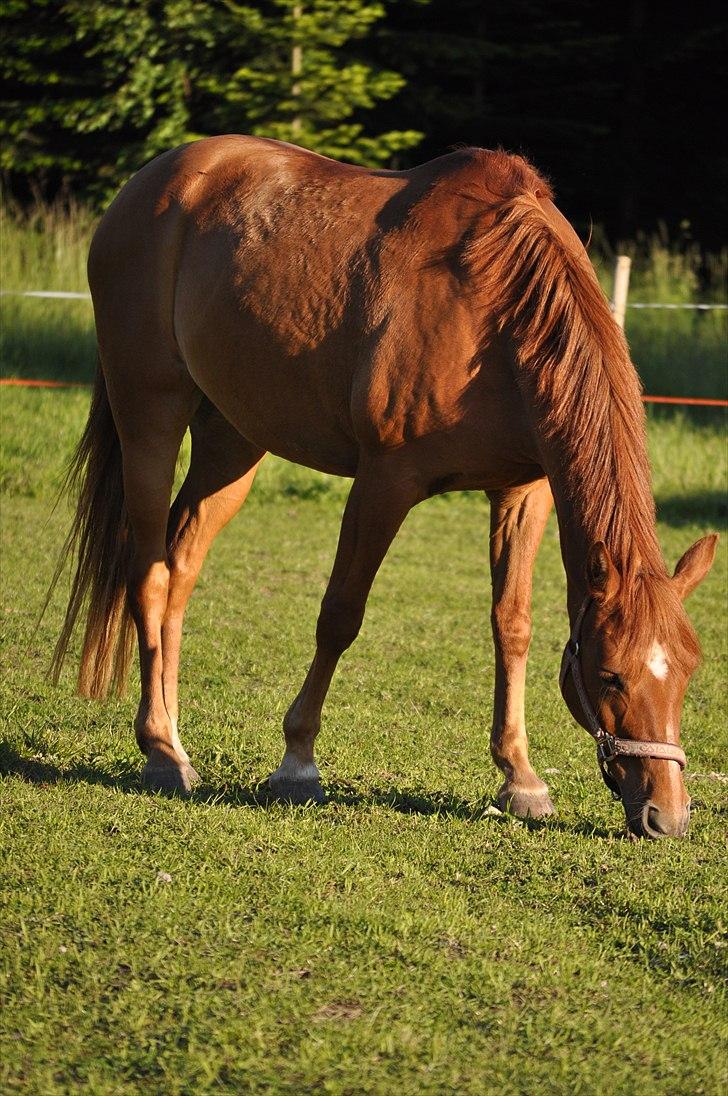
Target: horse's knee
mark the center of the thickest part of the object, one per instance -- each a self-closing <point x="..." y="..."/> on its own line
<point x="338" y="623"/>
<point x="512" y="630"/>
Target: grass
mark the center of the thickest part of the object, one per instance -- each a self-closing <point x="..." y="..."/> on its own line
<point x="46" y="249"/>
<point x="401" y="938"/>
<point x="677" y="353"/>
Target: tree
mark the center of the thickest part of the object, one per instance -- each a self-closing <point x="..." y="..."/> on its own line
<point x="300" y="82"/>
<point x="93" y="90"/>
<point x="618" y="103"/>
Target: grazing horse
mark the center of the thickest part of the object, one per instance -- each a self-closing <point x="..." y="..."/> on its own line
<point x="419" y="331"/>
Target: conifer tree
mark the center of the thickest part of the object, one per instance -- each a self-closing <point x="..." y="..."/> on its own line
<point x="95" y="89"/>
<point x="301" y="83"/>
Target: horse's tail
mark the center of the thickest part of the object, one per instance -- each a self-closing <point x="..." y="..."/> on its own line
<point x="100" y="540"/>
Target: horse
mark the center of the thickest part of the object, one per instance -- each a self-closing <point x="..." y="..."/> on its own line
<point x="419" y="331"/>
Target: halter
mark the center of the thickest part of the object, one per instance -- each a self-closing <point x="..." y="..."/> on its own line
<point x="608" y="745"/>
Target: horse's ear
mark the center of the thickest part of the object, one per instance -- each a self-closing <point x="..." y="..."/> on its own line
<point x="601" y="574"/>
<point x="695" y="564"/>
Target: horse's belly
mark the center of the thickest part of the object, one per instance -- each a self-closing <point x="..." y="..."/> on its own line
<point x="280" y="408"/>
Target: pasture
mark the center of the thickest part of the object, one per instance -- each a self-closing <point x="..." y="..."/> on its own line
<point x="405" y="936"/>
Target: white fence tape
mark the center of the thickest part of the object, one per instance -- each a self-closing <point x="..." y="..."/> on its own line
<point x="53" y="293"/>
<point x="66" y="296"/>
<point x="699" y="307"/>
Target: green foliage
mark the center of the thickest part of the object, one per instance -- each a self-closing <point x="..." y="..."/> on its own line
<point x="94" y="90"/>
<point x="45" y="247"/>
<point x="294" y="87"/>
<point x="143" y="54"/>
<point x="400" y="939"/>
<point x="97" y="89"/>
<point x="677" y="353"/>
<point x="37" y="65"/>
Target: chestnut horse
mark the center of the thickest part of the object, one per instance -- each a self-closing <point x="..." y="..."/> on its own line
<point x="420" y="331"/>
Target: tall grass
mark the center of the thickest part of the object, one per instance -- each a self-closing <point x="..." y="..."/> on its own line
<point x="677" y="353"/>
<point x="45" y="247"/>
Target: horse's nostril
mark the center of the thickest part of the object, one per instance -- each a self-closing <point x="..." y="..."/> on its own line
<point x="654" y="826"/>
<point x="657" y="823"/>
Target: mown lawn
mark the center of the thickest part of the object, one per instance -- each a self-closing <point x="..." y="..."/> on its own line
<point x="403" y="938"/>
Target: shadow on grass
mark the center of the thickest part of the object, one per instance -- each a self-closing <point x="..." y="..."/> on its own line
<point x="125" y="777"/>
<point x="699" y="508"/>
<point x="409" y="801"/>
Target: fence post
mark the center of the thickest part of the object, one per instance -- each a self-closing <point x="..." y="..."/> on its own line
<point x="621" y="287"/>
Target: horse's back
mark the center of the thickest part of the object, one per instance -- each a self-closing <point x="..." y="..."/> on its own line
<point x="233" y="182"/>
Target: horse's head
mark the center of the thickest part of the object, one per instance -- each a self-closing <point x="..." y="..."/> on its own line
<point x="624" y="675"/>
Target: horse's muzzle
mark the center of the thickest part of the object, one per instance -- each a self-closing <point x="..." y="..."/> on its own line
<point x="656" y="822"/>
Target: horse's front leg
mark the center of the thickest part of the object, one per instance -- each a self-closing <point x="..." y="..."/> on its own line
<point x="517" y="521"/>
<point x="381" y="497"/>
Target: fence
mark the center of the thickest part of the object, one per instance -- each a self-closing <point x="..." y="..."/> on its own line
<point x="619" y="306"/>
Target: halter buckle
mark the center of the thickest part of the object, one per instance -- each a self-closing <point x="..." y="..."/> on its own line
<point x="606" y="746"/>
<point x="606" y="752"/>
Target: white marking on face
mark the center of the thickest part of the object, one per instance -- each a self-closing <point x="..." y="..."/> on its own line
<point x="291" y="768"/>
<point x="657" y="661"/>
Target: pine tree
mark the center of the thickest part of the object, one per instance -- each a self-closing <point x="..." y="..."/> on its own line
<point x="301" y="83"/>
<point x="94" y="90"/>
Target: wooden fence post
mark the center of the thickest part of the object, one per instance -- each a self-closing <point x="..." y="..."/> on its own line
<point x="621" y="288"/>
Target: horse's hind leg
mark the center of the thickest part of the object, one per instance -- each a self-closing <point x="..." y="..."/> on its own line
<point x="381" y="496"/>
<point x="221" y="472"/>
<point x="151" y="422"/>
<point x="517" y="521"/>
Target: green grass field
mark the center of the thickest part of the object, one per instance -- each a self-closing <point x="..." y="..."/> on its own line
<point x="402" y="938"/>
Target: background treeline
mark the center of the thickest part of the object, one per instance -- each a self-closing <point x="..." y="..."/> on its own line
<point x="619" y="103"/>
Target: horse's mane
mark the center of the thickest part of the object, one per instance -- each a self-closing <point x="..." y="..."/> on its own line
<point x="573" y="362"/>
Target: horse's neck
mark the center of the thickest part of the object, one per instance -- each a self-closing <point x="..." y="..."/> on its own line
<point x="578" y="533"/>
<point x="575" y="538"/>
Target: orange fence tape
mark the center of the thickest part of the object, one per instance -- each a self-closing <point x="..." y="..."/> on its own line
<point x="697" y="402"/>
<point x="19" y="382"/>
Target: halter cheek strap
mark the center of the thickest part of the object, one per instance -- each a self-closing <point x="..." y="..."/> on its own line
<point x="608" y="745"/>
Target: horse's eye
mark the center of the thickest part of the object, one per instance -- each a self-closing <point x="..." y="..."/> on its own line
<point x="611" y="680"/>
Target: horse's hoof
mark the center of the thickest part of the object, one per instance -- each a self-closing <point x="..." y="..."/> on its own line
<point x="169" y="778"/>
<point x="296" y="782"/>
<point x="295" y="792"/>
<point x="525" y="802"/>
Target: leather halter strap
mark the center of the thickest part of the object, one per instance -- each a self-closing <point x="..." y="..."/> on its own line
<point x="608" y="745"/>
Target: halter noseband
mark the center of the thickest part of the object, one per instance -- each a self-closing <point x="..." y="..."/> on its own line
<point x="608" y="745"/>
